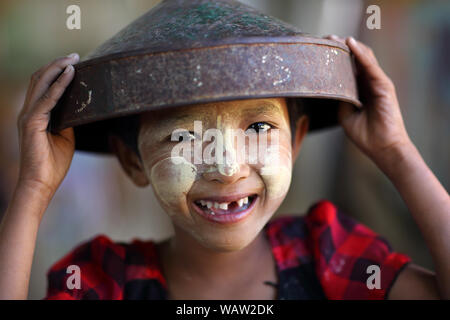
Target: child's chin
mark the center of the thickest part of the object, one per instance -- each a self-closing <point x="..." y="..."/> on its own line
<point x="226" y="243"/>
<point x="226" y="247"/>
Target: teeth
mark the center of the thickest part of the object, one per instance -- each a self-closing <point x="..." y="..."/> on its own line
<point x="223" y="206"/>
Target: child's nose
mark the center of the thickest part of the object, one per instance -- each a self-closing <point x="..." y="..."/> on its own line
<point x="228" y="174"/>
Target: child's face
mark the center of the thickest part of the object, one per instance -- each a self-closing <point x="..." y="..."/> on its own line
<point x="207" y="198"/>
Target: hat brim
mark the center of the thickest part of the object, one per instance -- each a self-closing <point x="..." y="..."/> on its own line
<point x="125" y="84"/>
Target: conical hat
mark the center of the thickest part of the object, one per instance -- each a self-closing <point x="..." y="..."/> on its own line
<point x="197" y="51"/>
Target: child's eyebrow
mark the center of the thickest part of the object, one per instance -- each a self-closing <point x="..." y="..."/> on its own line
<point x="255" y="109"/>
<point x="262" y="108"/>
<point x="179" y="119"/>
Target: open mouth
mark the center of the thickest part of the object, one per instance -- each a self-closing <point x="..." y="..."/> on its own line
<point x="225" y="211"/>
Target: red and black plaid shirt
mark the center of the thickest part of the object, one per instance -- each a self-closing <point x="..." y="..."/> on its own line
<point x="323" y="255"/>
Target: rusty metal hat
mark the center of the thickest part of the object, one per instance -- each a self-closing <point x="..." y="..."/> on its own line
<point x="197" y="51"/>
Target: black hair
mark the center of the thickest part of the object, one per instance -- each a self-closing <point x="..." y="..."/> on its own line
<point x="127" y="128"/>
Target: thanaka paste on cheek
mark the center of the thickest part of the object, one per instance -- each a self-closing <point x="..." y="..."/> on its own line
<point x="277" y="184"/>
<point x="172" y="178"/>
<point x="277" y="174"/>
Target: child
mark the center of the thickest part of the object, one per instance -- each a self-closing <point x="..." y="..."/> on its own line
<point x="224" y="245"/>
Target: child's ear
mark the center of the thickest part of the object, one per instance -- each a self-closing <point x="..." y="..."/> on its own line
<point x="129" y="160"/>
<point x="301" y="129"/>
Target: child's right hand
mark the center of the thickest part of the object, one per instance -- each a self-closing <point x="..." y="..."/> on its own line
<point x="44" y="161"/>
<point x="45" y="157"/>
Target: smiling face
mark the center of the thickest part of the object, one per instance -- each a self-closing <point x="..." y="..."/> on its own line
<point x="221" y="202"/>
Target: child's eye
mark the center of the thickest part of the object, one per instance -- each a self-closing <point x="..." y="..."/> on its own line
<point x="181" y="136"/>
<point x="260" y="127"/>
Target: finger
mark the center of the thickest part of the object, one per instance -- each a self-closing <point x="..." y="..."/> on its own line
<point x="341" y="40"/>
<point x="335" y="38"/>
<point x="39" y="115"/>
<point x="43" y="79"/>
<point x="34" y="93"/>
<point x="49" y="99"/>
<point x="367" y="60"/>
<point x="36" y="76"/>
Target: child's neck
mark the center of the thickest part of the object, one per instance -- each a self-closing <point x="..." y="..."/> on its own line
<point x="185" y="259"/>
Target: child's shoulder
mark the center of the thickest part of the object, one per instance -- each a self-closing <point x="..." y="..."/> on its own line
<point x="322" y="215"/>
<point x="100" y="248"/>
<point x="107" y="270"/>
<point x="339" y="249"/>
<point x="322" y="218"/>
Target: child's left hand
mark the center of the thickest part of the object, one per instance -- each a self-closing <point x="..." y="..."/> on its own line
<point x="378" y="127"/>
<point x="378" y="130"/>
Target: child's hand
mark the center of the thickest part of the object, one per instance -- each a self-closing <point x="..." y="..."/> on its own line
<point x="44" y="157"/>
<point x="378" y="127"/>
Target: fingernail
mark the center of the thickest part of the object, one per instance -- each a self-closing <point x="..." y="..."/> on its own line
<point x="352" y="41"/>
<point x="68" y="68"/>
<point x="73" y="55"/>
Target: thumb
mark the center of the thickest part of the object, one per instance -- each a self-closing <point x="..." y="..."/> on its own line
<point x="67" y="135"/>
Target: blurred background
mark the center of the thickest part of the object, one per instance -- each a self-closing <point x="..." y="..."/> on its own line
<point x="96" y="197"/>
